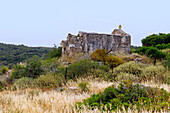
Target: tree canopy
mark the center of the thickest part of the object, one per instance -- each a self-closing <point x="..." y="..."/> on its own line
<point x="155" y="53"/>
<point x="155" y="39"/>
<point x="55" y="52"/>
<point x="12" y="54"/>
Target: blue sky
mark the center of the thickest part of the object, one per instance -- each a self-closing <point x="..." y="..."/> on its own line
<point x="47" y="22"/>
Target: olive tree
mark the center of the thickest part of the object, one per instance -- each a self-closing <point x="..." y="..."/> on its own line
<point x="154" y="53"/>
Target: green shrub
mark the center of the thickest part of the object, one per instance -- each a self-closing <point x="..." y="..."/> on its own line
<point x="33" y="67"/>
<point x="125" y="76"/>
<point x="129" y="68"/>
<point x="151" y="52"/>
<point x="154" y="73"/>
<point x="0" y="68"/>
<point x="23" y="83"/>
<point x="96" y="73"/>
<point x="138" y="72"/>
<point x="80" y="68"/>
<point x="19" y="72"/>
<point x="43" y="81"/>
<point x="49" y="81"/>
<point x="168" y="60"/>
<point x="113" y="61"/>
<point x="55" y="52"/>
<point x="62" y="70"/>
<point x="83" y="86"/>
<point x="99" y="55"/>
<point x="3" y="85"/>
<point x="128" y="95"/>
<point x="141" y="50"/>
<point x="102" y="55"/>
<point x="4" y="69"/>
<point x="102" y="67"/>
<point x="50" y="65"/>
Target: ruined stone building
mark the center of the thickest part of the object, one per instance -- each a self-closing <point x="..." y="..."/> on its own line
<point x="117" y="42"/>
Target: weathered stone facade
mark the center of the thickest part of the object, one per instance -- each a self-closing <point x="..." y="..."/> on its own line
<point x="117" y="42"/>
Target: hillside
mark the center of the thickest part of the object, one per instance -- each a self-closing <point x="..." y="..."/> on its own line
<point x="11" y="54"/>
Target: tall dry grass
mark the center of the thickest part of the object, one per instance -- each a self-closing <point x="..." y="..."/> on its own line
<point x="157" y="85"/>
<point x="52" y="101"/>
<point x="38" y="101"/>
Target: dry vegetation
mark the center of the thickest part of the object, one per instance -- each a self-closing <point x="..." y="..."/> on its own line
<point x="153" y="84"/>
<point x="44" y="99"/>
<point x="52" y="101"/>
<point x="38" y="101"/>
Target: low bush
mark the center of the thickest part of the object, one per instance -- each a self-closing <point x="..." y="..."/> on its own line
<point x="19" y="72"/>
<point x="128" y="95"/>
<point x="102" y="55"/>
<point x="113" y="61"/>
<point x="4" y="69"/>
<point x="3" y="85"/>
<point x="142" y="50"/>
<point x="23" y="83"/>
<point x="83" y="86"/>
<point x="49" y="81"/>
<point x="151" y="52"/>
<point x="55" y="52"/>
<point x="50" y="65"/>
<point x="97" y="73"/>
<point x="99" y="55"/>
<point x="138" y="72"/>
<point x="129" y="68"/>
<point x="154" y="73"/>
<point x="0" y="69"/>
<point x="34" y="67"/>
<point x="44" y="81"/>
<point x="81" y="67"/>
<point x="125" y="76"/>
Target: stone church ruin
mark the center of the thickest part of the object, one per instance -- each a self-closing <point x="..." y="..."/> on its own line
<point x="117" y="42"/>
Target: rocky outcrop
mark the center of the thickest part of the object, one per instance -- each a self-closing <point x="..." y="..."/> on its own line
<point x="117" y="42"/>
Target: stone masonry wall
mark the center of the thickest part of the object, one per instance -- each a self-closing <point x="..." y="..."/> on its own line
<point x="117" y="42"/>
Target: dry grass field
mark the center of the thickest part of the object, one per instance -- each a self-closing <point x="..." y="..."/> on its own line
<point x="52" y="101"/>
